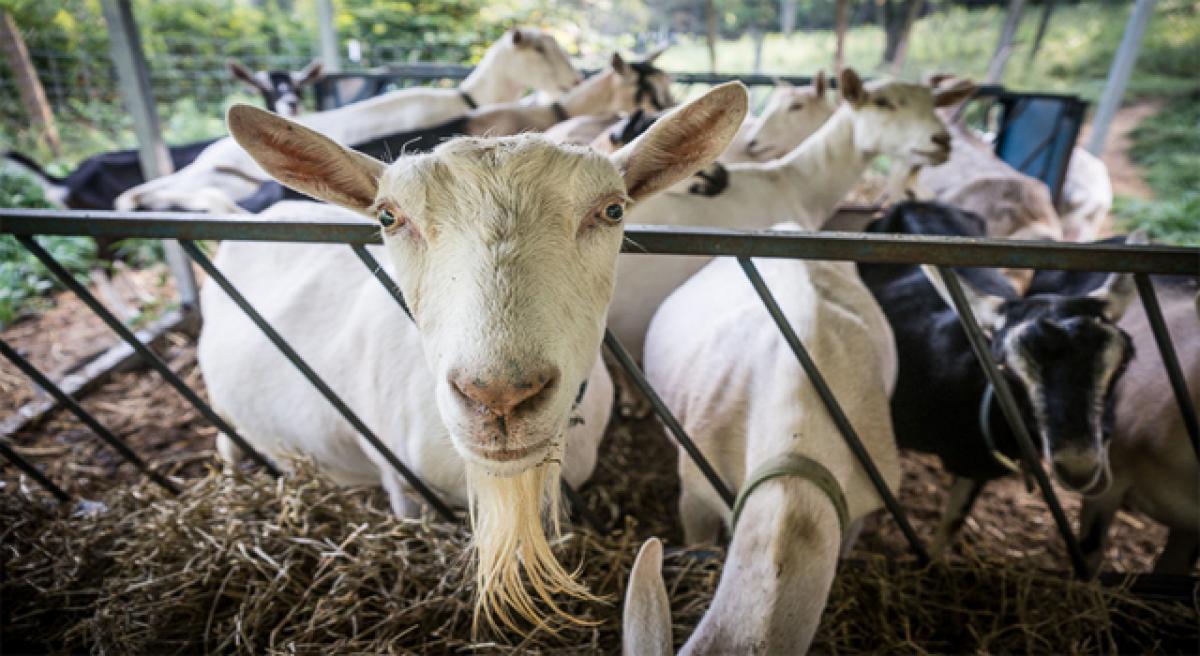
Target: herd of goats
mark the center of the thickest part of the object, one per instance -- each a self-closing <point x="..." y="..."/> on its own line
<point x="505" y="245"/>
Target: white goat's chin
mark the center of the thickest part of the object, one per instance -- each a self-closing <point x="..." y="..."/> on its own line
<point x="505" y="462"/>
<point x="516" y="571"/>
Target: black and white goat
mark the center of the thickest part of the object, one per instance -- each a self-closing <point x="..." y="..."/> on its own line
<point x="1063" y="354"/>
<point x="280" y="89"/>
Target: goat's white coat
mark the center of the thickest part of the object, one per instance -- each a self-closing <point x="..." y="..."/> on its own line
<point x="805" y="186"/>
<point x="1087" y="197"/>
<point x="724" y="369"/>
<point x="505" y="71"/>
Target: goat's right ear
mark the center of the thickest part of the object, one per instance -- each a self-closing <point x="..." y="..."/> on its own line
<point x="618" y="64"/>
<point x="242" y="73"/>
<point x="305" y="160"/>
<point x="646" y="621"/>
<point x="819" y="85"/>
<point x="683" y="141"/>
<point x="851" y="87"/>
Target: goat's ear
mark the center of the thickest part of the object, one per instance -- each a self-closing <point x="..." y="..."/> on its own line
<point x="819" y="83"/>
<point x="618" y="64"/>
<point x="309" y="74"/>
<point x="242" y="73"/>
<point x="953" y="94"/>
<point x="305" y="160"/>
<point x="683" y="141"/>
<point x="646" y="621"/>
<point x="851" y="87"/>
<point x="519" y="38"/>
<point x="985" y="307"/>
<point x="1119" y="290"/>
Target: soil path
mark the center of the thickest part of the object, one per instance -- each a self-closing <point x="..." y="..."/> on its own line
<point x="1126" y="176"/>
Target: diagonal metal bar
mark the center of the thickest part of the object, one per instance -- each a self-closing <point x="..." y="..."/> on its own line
<point x="835" y="409"/>
<point x="668" y="419"/>
<point x="1170" y="359"/>
<point x="382" y="276"/>
<point x="148" y="355"/>
<point x="70" y="404"/>
<point x="1016" y="422"/>
<point x="576" y="502"/>
<point x="407" y="474"/>
<point x="34" y="473"/>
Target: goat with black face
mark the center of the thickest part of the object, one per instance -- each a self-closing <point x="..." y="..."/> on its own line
<point x="1062" y="354"/>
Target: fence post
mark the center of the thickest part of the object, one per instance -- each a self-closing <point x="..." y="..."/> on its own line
<point x="327" y="31"/>
<point x="134" y="79"/>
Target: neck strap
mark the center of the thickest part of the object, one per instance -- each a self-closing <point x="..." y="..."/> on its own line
<point x="794" y="464"/>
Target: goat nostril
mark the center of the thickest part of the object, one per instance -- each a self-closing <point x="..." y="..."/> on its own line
<point x="503" y="398"/>
<point x="942" y="140"/>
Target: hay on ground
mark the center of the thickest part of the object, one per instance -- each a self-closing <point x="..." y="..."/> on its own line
<point x="248" y="564"/>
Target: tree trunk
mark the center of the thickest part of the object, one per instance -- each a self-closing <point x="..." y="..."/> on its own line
<point x="1004" y="47"/>
<point x="33" y="96"/>
<point x="787" y="16"/>
<point x="840" y="18"/>
<point x="901" y="50"/>
<point x="1047" y="9"/>
<point x="710" y="16"/>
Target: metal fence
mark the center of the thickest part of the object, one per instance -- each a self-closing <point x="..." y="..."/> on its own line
<point x="941" y="252"/>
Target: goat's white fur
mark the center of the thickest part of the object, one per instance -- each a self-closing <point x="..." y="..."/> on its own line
<point x="509" y="67"/>
<point x="805" y="186"/>
<point x="723" y="367"/>
<point x="1087" y="197"/>
<point x="504" y="255"/>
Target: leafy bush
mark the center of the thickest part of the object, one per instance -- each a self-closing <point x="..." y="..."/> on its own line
<point x="1172" y="221"/>
<point x="1167" y="147"/>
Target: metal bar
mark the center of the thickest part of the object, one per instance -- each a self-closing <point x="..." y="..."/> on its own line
<point x="134" y="78"/>
<point x="573" y="498"/>
<point x="668" y="419"/>
<point x="645" y="239"/>
<point x="835" y="409"/>
<point x="33" y="472"/>
<point x="298" y="362"/>
<point x="99" y="429"/>
<point x="1119" y="74"/>
<point x="1016" y="422"/>
<point x="148" y="355"/>
<point x="1170" y="359"/>
<point x="384" y="279"/>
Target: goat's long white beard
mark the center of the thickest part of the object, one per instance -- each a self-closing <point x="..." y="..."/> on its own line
<point x="510" y="539"/>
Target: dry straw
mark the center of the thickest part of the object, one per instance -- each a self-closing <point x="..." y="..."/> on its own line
<point x="247" y="564"/>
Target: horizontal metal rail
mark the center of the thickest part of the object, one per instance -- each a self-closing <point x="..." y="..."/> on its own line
<point x="665" y="240"/>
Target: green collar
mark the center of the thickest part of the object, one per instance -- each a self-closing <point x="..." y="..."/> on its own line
<point x="794" y="464"/>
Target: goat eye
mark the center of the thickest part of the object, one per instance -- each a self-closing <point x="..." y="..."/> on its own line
<point x="614" y="212"/>
<point x="883" y="103"/>
<point x="386" y="218"/>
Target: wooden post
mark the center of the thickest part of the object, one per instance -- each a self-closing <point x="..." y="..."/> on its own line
<point x="29" y="86"/>
<point x="134" y="80"/>
<point x="1118" y="75"/>
<point x="710" y="18"/>
<point x="1004" y="46"/>
<point x="787" y="16"/>
<point x="327" y="31"/>
<point x="910" y="18"/>
<point x="840" y="20"/>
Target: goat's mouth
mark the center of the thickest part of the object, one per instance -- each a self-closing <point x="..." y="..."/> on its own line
<point x="933" y="157"/>
<point x="505" y="456"/>
<point x="1088" y="483"/>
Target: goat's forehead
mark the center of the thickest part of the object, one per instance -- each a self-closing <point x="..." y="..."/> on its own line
<point x="899" y="90"/>
<point x="526" y="169"/>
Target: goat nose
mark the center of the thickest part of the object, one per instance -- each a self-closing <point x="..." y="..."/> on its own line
<point x="942" y="139"/>
<point x="504" y="397"/>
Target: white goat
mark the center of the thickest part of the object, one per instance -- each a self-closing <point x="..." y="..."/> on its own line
<point x="723" y="367"/>
<point x="506" y="251"/>
<point x="1087" y="197"/>
<point x="522" y="59"/>
<point x="791" y="115"/>
<point x="888" y="118"/>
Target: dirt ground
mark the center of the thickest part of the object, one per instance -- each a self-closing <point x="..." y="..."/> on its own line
<point x="1126" y="176"/>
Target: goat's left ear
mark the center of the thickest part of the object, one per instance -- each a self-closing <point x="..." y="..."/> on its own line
<point x="683" y="141"/>
<point x="1119" y="290"/>
<point x="954" y="94"/>
<point x="646" y="620"/>
<point x="309" y="74"/>
<point x="305" y="160"/>
<point x="242" y="73"/>
<point x="618" y="64"/>
<point x="819" y="83"/>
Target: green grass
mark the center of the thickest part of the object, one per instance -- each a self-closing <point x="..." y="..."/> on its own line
<point x="1074" y="57"/>
<point x="1167" y="147"/>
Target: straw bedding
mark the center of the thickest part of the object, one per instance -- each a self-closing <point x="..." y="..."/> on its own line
<point x="240" y="562"/>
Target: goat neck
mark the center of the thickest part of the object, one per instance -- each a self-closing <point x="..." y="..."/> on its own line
<point x="777" y="575"/>
<point x="824" y="168"/>
<point x="489" y="83"/>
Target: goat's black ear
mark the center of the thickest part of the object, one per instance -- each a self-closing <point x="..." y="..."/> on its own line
<point x="242" y="73"/>
<point x="309" y="74"/>
<point x="819" y="83"/>
<point x="517" y="36"/>
<point x="851" y="87"/>
<point x="618" y="63"/>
